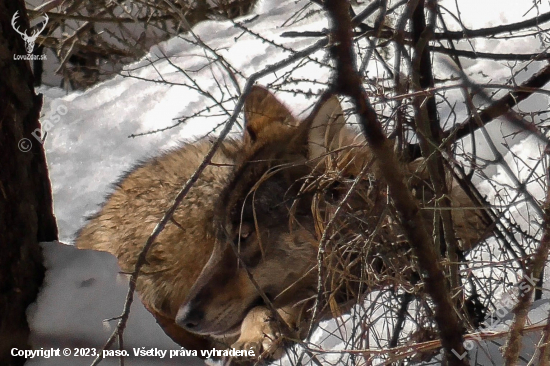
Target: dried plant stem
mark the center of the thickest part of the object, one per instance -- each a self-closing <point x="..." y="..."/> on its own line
<point x="534" y="270"/>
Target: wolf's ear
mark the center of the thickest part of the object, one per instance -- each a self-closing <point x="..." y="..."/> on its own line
<point x="265" y="117"/>
<point x="325" y="127"/>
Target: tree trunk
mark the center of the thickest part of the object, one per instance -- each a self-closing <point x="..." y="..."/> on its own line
<point x="26" y="212"/>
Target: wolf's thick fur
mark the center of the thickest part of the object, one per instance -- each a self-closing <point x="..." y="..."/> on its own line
<point x="176" y="259"/>
<point x="265" y="199"/>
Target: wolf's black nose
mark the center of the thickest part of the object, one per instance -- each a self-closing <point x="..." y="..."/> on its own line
<point x="189" y="318"/>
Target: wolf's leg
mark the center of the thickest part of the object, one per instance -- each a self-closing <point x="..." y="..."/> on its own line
<point x="261" y="333"/>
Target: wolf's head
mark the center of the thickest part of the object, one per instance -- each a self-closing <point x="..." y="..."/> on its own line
<point x="264" y="225"/>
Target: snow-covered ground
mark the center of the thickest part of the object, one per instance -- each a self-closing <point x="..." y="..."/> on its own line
<point x="83" y="288"/>
<point x="88" y="144"/>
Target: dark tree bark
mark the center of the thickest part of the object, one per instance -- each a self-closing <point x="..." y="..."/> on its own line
<point x="26" y="213"/>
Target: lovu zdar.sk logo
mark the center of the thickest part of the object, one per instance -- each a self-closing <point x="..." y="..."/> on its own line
<point x="29" y="40"/>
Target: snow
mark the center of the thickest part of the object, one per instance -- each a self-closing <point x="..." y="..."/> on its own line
<point x="83" y="288"/>
<point x="88" y="147"/>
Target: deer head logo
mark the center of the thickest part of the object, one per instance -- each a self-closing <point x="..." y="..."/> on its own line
<point x="29" y="40"/>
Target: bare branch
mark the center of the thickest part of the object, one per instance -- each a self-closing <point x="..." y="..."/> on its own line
<point x="348" y="82"/>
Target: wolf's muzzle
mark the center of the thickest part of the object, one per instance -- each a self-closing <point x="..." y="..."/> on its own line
<point x="189" y="318"/>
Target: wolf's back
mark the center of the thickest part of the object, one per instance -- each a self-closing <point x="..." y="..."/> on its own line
<point x="138" y="203"/>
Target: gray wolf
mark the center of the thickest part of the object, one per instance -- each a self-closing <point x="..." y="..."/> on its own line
<point x="245" y="241"/>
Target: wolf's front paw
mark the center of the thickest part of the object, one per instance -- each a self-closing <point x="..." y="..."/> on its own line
<point x="259" y="333"/>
